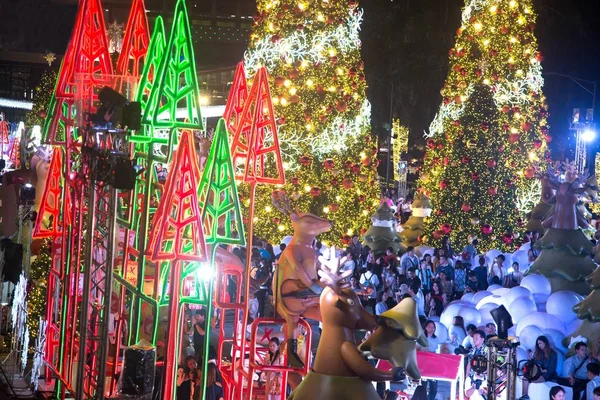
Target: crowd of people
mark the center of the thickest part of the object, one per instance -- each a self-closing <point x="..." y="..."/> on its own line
<point x="432" y="280"/>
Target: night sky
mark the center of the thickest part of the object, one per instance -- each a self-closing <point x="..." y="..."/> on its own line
<point x="405" y="42"/>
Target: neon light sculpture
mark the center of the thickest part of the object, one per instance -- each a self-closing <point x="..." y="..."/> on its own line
<point x="236" y="100"/>
<point x="135" y="41"/>
<point x="87" y="55"/>
<point x="177" y="236"/>
<point x="4" y="140"/>
<point x="177" y="81"/>
<point x="47" y="223"/>
<point x="255" y="151"/>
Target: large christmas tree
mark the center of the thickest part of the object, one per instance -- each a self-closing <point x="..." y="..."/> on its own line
<point x="312" y="52"/>
<point x="490" y="128"/>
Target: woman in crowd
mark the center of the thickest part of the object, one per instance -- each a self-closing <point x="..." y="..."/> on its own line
<point x="436" y="258"/>
<point x="457" y="331"/>
<point x="436" y="292"/>
<point x="273" y="381"/>
<point x="446" y="286"/>
<point x="435" y="308"/>
<point x="546" y="359"/>
<point x="432" y="348"/>
<point x="557" y="393"/>
<point x="381" y="305"/>
<point x="214" y="390"/>
<point x="389" y="277"/>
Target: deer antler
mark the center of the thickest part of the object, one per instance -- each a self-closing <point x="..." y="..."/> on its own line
<point x="331" y="276"/>
<point x="281" y="202"/>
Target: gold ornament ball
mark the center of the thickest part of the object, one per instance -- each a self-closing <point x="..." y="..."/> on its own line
<point x="475" y="221"/>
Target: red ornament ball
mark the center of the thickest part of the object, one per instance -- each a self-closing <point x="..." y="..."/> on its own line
<point x="334" y="182"/>
<point x="295" y="181"/>
<point x="492" y="191"/>
<point x="475" y="176"/>
<point x="491" y="163"/>
<point x="437" y="235"/>
<point x="465" y="160"/>
<point x="347" y="183"/>
<point x="514" y="137"/>
<point x="466" y="207"/>
<point x="356" y="169"/>
<point x="341" y="106"/>
<point x="315" y="191"/>
<point x="305" y="161"/>
<point x="537" y="143"/>
<point x="348" y="164"/>
<point x="487" y="229"/>
<point x="329" y="164"/>
<point x="293" y="74"/>
<point x="361" y="198"/>
<point x="446" y="229"/>
<point x="279" y="81"/>
<point x="443" y="185"/>
<point x="334" y="207"/>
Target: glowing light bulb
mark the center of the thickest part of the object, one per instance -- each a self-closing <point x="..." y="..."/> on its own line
<point x="338" y="198"/>
<point x="332" y="89"/>
<point x="362" y="155"/>
<point x="275" y="100"/>
<point x="513" y="39"/>
<point x="281" y="228"/>
<point x="304" y="64"/>
<point x="486" y="42"/>
<point x="326" y="210"/>
<point x="486" y="81"/>
<point x="302" y="6"/>
<point x="511" y="60"/>
<point x="286" y="165"/>
<point x="309" y="127"/>
<point x="268" y="209"/>
<point x="519" y="72"/>
<point x="287" y="83"/>
<point x="309" y="83"/>
<point x="283" y="101"/>
<point x="517" y="115"/>
<point x="514" y="130"/>
<point x="493" y="9"/>
<point x="477" y="26"/>
<point x="364" y="212"/>
<point x="339" y="71"/>
<point x="255" y="219"/>
<point x="512" y="3"/>
<point x="307" y="188"/>
<point x="355" y="96"/>
<point x="332" y="52"/>
<point x="293" y="91"/>
<point x="350" y="232"/>
<point x="521" y="20"/>
<point x="320" y="17"/>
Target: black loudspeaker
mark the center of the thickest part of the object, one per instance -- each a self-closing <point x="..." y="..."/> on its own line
<point x="13" y="260"/>
<point x="112" y="98"/>
<point x="137" y="377"/>
<point x="132" y="116"/>
<point x="123" y="174"/>
<point x="503" y="320"/>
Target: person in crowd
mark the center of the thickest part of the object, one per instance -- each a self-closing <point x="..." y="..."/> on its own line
<point x="273" y="379"/>
<point x="381" y="305"/>
<point x="282" y="247"/>
<point x="263" y="251"/>
<point x="434" y="308"/>
<point x="597" y="393"/>
<point x="496" y="275"/>
<point x="370" y="282"/>
<point x="436" y="291"/>
<point x="355" y="247"/>
<point x="349" y="264"/>
<point x="457" y="331"/>
<point x="425" y="273"/>
<point x="468" y="340"/>
<point x="367" y="256"/>
<point x="433" y="345"/>
<point x="379" y="266"/>
<point x="184" y="382"/>
<point x="411" y="277"/>
<point x="481" y="271"/>
<point x="447" y="247"/>
<point x="415" y="292"/>
<point x="472" y="285"/>
<point x="199" y="333"/>
<point x="408" y="260"/>
<point x="446" y="267"/>
<point x="575" y="368"/>
<point x="546" y="358"/>
<point x="593" y="371"/>
<point x="446" y="285"/>
<point x="490" y="330"/>
<point x="479" y="349"/>
<point x="214" y="389"/>
<point x="437" y="255"/>
<point x="390" y="257"/>
<point x="253" y="305"/>
<point x="270" y="250"/>
<point x="517" y="275"/>
<point x="399" y="282"/>
<point x="355" y="285"/>
<point x="388" y="276"/>
<point x="468" y="253"/>
<point x="460" y="279"/>
<point x="557" y="393"/>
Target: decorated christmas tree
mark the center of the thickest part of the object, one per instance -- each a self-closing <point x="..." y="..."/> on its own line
<point x="490" y="128"/>
<point x="42" y="95"/>
<point x="312" y="53"/>
<point x="382" y="234"/>
<point x="414" y="226"/>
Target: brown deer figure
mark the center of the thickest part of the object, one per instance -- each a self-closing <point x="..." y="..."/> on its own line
<point x="297" y="287"/>
<point x="340" y="371"/>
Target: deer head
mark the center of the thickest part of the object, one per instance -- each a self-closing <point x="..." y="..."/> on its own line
<point x="302" y="223"/>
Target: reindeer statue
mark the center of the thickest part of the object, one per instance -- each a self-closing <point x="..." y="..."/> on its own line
<point x="340" y="371"/>
<point x="565" y="249"/>
<point x="296" y="286"/>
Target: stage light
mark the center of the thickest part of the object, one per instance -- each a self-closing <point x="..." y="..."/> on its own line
<point x="588" y="135"/>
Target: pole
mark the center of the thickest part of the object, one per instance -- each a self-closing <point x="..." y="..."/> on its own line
<point x="389" y="154"/>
